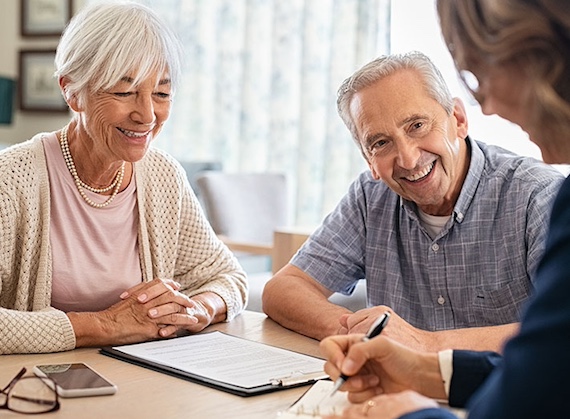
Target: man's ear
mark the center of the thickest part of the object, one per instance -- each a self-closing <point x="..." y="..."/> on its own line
<point x="460" y="117"/>
<point x="70" y="98"/>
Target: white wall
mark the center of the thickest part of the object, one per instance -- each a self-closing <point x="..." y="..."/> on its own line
<point x="24" y="124"/>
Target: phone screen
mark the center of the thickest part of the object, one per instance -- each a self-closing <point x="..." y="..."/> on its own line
<point x="76" y="379"/>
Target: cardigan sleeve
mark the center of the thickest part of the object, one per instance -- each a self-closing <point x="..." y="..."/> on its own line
<point x="213" y="267"/>
<point x="27" y="323"/>
<point x="47" y="330"/>
<point x="177" y="239"/>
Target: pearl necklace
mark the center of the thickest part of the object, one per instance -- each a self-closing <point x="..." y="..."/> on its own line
<point x="115" y="185"/>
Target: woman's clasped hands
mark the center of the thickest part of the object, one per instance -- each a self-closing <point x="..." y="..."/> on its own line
<point x="165" y="309"/>
<point x="147" y="311"/>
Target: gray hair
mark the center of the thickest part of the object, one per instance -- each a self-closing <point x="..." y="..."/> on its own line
<point x="104" y="42"/>
<point x="384" y="66"/>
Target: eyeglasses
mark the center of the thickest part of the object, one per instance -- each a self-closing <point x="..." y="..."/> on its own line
<point x="29" y="395"/>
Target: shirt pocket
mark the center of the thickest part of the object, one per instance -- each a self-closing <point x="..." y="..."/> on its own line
<point x="500" y="305"/>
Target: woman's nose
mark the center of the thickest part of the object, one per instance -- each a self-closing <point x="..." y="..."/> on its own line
<point x="143" y="112"/>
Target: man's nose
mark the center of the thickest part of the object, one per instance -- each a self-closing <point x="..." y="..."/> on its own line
<point x="408" y="155"/>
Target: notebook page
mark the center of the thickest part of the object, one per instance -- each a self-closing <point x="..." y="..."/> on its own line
<point x="317" y="402"/>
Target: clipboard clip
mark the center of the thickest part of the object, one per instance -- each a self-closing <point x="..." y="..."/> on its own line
<point x="298" y="377"/>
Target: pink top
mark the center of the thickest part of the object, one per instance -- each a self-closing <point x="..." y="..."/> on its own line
<point x="95" y="255"/>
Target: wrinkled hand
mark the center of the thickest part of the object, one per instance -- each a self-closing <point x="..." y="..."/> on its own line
<point x="397" y="329"/>
<point x="167" y="309"/>
<point x="388" y="406"/>
<point x="380" y="366"/>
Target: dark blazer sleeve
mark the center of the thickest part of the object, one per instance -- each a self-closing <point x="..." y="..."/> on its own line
<point x="430" y="414"/>
<point x="470" y="370"/>
<point x="533" y="380"/>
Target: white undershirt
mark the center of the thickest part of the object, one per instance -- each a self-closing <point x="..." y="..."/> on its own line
<point x="95" y="254"/>
<point x="433" y="223"/>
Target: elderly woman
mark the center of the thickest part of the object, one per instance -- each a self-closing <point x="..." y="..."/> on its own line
<point x="103" y="241"/>
<point x="519" y="53"/>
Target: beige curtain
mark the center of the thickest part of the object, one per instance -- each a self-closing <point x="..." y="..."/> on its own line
<point x="259" y="89"/>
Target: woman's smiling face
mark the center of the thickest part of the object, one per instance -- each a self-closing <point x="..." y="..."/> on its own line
<point x="128" y="117"/>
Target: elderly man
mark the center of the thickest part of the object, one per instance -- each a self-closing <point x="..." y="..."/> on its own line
<point x="447" y="231"/>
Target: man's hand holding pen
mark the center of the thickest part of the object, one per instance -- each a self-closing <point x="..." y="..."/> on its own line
<point x="375" y="329"/>
<point x="380" y="365"/>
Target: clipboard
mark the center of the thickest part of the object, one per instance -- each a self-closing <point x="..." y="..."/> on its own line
<point x="200" y="358"/>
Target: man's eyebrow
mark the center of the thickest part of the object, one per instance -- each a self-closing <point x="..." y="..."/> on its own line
<point x="371" y="139"/>
<point x="413" y="118"/>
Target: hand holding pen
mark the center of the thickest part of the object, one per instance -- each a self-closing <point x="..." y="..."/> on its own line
<point x="374" y="331"/>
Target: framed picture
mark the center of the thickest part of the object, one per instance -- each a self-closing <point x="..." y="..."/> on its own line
<point x="38" y="89"/>
<point x="44" y="17"/>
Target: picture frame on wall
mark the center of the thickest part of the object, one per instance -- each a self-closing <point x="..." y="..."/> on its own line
<point x="44" y="17"/>
<point x="38" y="89"/>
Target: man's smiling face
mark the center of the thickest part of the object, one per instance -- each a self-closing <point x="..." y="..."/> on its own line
<point x="410" y="142"/>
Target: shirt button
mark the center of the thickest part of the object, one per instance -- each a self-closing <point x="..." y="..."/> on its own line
<point x="435" y="247"/>
<point x="460" y="216"/>
<point x="441" y="300"/>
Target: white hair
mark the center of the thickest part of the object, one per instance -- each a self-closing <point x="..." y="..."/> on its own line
<point x="383" y="67"/>
<point x="105" y="42"/>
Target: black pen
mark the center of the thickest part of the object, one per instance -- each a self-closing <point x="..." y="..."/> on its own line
<point x="374" y="331"/>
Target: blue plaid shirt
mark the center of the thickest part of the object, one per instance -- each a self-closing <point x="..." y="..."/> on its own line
<point x="477" y="271"/>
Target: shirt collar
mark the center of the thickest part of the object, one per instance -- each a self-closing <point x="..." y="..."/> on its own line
<point x="476" y="166"/>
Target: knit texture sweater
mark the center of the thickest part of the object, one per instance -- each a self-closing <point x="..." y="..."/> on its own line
<point x="175" y="241"/>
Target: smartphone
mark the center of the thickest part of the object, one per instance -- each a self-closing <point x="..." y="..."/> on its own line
<point x="75" y="380"/>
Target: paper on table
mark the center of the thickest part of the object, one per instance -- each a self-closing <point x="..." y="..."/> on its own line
<point x="317" y="402"/>
<point x="227" y="359"/>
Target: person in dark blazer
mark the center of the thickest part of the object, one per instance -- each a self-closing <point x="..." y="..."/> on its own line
<point x="516" y="56"/>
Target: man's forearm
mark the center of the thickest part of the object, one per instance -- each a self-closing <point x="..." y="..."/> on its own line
<point x="301" y="308"/>
<point x="490" y="338"/>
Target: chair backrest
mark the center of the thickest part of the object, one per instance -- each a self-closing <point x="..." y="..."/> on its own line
<point x="245" y="207"/>
<point x="193" y="169"/>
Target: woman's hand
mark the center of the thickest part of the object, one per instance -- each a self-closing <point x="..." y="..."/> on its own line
<point x="380" y="366"/>
<point x="389" y="406"/>
<point x="147" y="311"/>
<point x="174" y="311"/>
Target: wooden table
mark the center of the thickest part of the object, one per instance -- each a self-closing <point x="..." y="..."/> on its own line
<point x="144" y="393"/>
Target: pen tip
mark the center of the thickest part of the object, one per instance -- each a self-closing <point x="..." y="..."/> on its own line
<point x="338" y="383"/>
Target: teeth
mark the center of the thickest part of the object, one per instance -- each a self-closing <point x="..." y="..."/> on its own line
<point x="132" y="133"/>
<point x="421" y="174"/>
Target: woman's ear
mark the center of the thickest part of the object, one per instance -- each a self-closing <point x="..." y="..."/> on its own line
<point x="70" y="98"/>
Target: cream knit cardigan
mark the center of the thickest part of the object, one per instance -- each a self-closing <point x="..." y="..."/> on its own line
<point x="175" y="241"/>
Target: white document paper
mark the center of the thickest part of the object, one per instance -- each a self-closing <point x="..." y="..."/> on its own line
<point x="317" y="402"/>
<point x="229" y="359"/>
